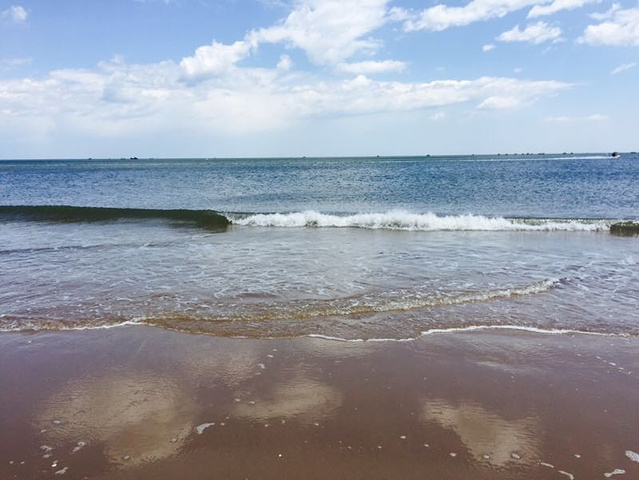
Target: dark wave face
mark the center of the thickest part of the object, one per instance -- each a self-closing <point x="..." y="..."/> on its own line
<point x="63" y="213"/>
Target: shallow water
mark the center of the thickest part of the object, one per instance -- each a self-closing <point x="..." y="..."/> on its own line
<point x="332" y="256"/>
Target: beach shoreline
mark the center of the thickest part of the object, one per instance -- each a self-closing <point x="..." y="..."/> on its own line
<point x="143" y="402"/>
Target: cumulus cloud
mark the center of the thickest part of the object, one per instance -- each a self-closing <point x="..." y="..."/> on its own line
<point x="329" y="31"/>
<point x="15" y="14"/>
<point x="558" y="6"/>
<point x="215" y="91"/>
<point x="372" y="67"/>
<point x="537" y="33"/>
<point x="441" y="17"/>
<point x="621" y="30"/>
<point x="488" y="48"/>
<point x="215" y="59"/>
<point x="623" y="68"/>
<point x="285" y="63"/>
<point x="119" y="99"/>
<point x="608" y="14"/>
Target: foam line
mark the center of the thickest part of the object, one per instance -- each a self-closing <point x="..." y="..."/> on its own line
<point x="64" y="328"/>
<point x="434" y="331"/>
<point x="472" y="328"/>
<point x="401" y="220"/>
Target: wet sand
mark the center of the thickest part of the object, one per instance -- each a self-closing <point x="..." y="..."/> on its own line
<point x="144" y="403"/>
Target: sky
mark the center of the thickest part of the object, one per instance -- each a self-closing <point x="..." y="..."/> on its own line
<point x="242" y="78"/>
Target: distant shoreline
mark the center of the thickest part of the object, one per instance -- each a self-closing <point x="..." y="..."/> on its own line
<point x="602" y="154"/>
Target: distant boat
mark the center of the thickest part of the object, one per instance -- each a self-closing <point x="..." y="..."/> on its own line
<point x="615" y="154"/>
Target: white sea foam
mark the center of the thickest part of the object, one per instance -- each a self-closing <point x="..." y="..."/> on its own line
<point x="569" y="475"/>
<point x="358" y="340"/>
<point x="549" y="331"/>
<point x="580" y="157"/>
<point x="57" y="327"/>
<point x="471" y="328"/>
<point x="432" y="331"/>
<point x="634" y="456"/>
<point x="402" y="220"/>
<point x="200" y="428"/>
<point x="616" y="471"/>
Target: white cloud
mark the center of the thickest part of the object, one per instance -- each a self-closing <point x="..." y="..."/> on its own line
<point x="488" y="48"/>
<point x="558" y="6"/>
<point x="399" y="14"/>
<point x="588" y="118"/>
<point x="10" y="63"/>
<point x="215" y="59"/>
<point x="372" y="67"/>
<point x="537" y="33"/>
<point x="441" y="17"/>
<point x="607" y="14"/>
<point x="15" y="13"/>
<point x="363" y="95"/>
<point x="513" y="93"/>
<point x="621" y="31"/>
<point x="500" y="103"/>
<point x="329" y="31"/>
<point x="623" y="68"/>
<point x="118" y="100"/>
<point x="285" y="63"/>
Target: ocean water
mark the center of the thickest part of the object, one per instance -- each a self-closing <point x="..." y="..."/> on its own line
<point x="352" y="248"/>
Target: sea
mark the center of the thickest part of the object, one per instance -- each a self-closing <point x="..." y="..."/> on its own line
<point x="373" y="248"/>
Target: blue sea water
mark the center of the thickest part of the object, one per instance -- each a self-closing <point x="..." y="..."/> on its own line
<point x="343" y="247"/>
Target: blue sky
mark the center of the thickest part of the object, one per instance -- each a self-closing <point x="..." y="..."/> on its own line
<point x="179" y="78"/>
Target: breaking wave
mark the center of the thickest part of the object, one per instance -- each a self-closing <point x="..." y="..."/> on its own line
<point x="213" y="220"/>
<point x="401" y="220"/>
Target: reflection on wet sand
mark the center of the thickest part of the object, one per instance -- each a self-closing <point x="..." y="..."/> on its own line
<point x="138" y="418"/>
<point x="487" y="436"/>
<point x="301" y="398"/>
<point x="230" y="366"/>
<point x="335" y="348"/>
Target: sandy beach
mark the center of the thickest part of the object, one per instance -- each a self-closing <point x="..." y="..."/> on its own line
<point x="145" y="403"/>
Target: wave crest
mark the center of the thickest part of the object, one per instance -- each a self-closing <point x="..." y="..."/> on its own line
<point x="401" y="220"/>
